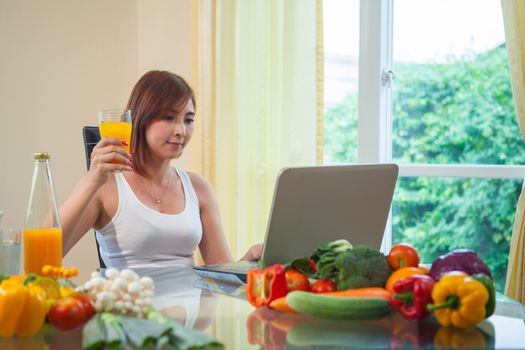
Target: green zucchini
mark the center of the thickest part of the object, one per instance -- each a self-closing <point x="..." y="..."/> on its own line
<point x="337" y="308"/>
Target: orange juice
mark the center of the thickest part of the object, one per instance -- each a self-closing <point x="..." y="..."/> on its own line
<point x="42" y="246"/>
<point x="120" y="130"/>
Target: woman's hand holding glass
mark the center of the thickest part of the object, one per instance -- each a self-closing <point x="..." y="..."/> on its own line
<point x="109" y="156"/>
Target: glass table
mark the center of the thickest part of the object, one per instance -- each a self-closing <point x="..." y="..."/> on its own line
<point x="221" y="310"/>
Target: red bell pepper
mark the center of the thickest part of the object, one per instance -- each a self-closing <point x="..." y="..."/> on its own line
<point x="411" y="295"/>
<point x="266" y="285"/>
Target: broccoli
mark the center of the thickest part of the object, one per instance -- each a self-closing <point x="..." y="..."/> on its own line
<point x="361" y="267"/>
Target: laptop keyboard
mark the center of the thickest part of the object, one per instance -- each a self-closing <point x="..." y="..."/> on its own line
<point x="236" y="266"/>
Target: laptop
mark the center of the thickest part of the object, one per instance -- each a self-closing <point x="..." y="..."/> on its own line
<point x="317" y="204"/>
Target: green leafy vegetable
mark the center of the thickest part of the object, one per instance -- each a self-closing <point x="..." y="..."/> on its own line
<point x="185" y="339"/>
<point x="142" y="332"/>
<point x="114" y="334"/>
<point x="109" y="331"/>
<point x="93" y="337"/>
<point x="261" y="263"/>
<point x="325" y="257"/>
<point x="302" y="265"/>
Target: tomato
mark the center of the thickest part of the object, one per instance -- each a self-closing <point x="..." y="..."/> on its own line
<point x="323" y="286"/>
<point x="403" y="255"/>
<point x="89" y="309"/>
<point x="296" y="280"/>
<point x="67" y="314"/>
<point x="313" y="267"/>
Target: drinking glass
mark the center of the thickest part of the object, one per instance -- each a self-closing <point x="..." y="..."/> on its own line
<point x="10" y="251"/>
<point x="116" y="123"/>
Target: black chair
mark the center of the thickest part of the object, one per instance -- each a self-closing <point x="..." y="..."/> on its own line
<point x="91" y="138"/>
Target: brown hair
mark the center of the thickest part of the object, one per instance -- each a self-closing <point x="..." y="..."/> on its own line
<point x="157" y="92"/>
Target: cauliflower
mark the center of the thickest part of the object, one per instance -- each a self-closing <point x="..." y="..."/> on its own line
<point x="361" y="267"/>
<point x="121" y="292"/>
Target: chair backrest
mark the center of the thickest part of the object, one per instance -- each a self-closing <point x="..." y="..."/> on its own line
<point x="91" y="138"/>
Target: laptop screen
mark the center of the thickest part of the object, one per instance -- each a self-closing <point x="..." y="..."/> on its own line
<point x="312" y="205"/>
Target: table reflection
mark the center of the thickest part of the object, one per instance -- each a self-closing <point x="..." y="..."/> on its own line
<point x="274" y="330"/>
<point x="221" y="311"/>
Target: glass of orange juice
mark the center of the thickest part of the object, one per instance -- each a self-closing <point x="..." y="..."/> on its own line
<point x="115" y="123"/>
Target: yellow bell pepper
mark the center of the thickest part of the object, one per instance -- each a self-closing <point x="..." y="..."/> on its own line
<point x="459" y="300"/>
<point x="22" y="307"/>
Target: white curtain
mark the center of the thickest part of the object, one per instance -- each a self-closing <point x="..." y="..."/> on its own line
<point x="256" y="74"/>
<point x="514" y="22"/>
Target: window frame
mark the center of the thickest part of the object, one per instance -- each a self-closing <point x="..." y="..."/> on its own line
<point x="375" y="106"/>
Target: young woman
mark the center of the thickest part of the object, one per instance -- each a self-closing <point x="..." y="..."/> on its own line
<point x="145" y="212"/>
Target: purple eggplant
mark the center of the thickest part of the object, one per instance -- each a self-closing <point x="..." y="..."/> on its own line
<point x="464" y="260"/>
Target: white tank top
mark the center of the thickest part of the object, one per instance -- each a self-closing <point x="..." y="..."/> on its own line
<point x="138" y="236"/>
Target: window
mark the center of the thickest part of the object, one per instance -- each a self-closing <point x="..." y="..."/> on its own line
<point x="341" y="72"/>
<point x="434" y="96"/>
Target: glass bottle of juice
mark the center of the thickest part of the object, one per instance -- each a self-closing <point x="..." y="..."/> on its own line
<point x="42" y="230"/>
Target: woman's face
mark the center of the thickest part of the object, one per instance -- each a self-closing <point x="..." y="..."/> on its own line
<point x="168" y="134"/>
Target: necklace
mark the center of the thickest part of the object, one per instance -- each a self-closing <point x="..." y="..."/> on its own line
<point x="157" y="199"/>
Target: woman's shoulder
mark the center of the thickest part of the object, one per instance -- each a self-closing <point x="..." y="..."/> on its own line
<point x="198" y="181"/>
<point x="201" y="185"/>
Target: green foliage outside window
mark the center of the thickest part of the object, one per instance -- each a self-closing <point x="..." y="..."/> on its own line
<point x="456" y="113"/>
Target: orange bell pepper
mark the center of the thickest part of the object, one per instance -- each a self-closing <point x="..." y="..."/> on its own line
<point x="401" y="274"/>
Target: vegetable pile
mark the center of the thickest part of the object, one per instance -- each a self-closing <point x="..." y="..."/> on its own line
<point x="340" y="281"/>
<point x="116" y="310"/>
<point x="26" y="301"/>
<point x="125" y="316"/>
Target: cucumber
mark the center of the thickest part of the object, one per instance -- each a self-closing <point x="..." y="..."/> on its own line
<point x="337" y="308"/>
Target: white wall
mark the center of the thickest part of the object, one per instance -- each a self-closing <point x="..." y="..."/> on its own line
<point x="60" y="62"/>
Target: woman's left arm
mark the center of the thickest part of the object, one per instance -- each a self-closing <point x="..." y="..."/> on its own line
<point x="213" y="247"/>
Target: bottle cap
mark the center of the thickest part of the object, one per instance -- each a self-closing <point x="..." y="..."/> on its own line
<point x="41" y="155"/>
